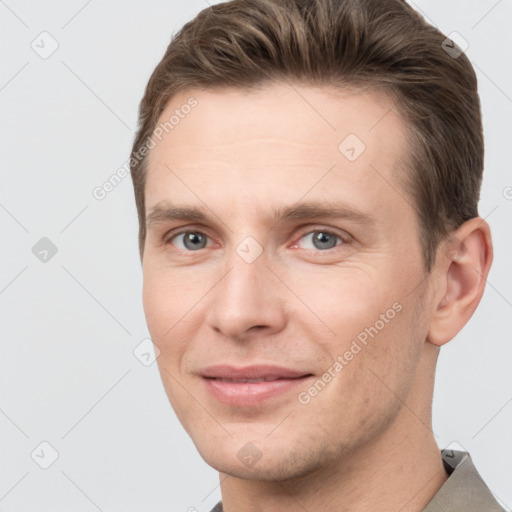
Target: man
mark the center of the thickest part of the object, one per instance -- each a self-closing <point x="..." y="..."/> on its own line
<point x="307" y="176"/>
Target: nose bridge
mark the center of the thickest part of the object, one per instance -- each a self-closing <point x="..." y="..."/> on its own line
<point x="247" y="295"/>
<point x="246" y="282"/>
<point x="248" y="273"/>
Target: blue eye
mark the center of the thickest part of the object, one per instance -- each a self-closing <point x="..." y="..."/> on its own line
<point x="191" y="240"/>
<point x="322" y="240"/>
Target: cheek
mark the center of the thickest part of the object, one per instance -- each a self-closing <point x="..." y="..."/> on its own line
<point x="371" y="322"/>
<point x="167" y="307"/>
<point x="157" y="304"/>
<point x="170" y="323"/>
<point x="345" y="300"/>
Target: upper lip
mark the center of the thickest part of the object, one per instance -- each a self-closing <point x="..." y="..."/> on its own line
<point x="225" y="371"/>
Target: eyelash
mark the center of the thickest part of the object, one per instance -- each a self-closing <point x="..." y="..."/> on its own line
<point x="342" y="239"/>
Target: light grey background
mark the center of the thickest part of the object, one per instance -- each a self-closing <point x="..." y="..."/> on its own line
<point x="68" y="374"/>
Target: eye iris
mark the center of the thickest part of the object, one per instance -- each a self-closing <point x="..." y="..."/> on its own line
<point x="194" y="241"/>
<point x="323" y="240"/>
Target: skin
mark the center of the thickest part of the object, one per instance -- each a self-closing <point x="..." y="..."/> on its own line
<point x="240" y="156"/>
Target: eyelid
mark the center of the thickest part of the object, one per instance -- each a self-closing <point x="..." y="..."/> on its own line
<point x="343" y="236"/>
<point x="195" y="228"/>
<point x="173" y="234"/>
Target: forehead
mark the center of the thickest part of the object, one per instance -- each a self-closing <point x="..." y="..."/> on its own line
<point x="305" y="114"/>
<point x="277" y="144"/>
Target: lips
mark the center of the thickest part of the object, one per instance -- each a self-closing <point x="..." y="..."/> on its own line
<point x="250" y="385"/>
<point x="263" y="372"/>
<point x="268" y="378"/>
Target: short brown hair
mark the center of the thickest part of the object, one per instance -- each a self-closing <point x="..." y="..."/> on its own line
<point x="382" y="43"/>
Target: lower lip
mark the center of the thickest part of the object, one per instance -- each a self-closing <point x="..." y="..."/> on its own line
<point x="247" y="394"/>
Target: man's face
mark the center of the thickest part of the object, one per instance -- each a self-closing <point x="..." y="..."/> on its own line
<point x="245" y="284"/>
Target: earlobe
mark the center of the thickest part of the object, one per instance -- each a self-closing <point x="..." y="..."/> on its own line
<point x="463" y="265"/>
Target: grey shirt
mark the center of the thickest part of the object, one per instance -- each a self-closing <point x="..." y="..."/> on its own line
<point x="463" y="491"/>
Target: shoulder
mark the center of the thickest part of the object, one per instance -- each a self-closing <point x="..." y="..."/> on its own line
<point x="464" y="490"/>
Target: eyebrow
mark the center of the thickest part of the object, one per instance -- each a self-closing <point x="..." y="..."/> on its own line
<point x="165" y="212"/>
<point x="324" y="209"/>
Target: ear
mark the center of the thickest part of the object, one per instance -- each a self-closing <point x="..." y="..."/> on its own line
<point x="462" y="268"/>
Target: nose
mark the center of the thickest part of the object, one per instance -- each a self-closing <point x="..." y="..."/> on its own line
<point x="247" y="300"/>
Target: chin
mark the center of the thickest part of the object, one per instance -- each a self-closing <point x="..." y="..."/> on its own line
<point x="280" y="462"/>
